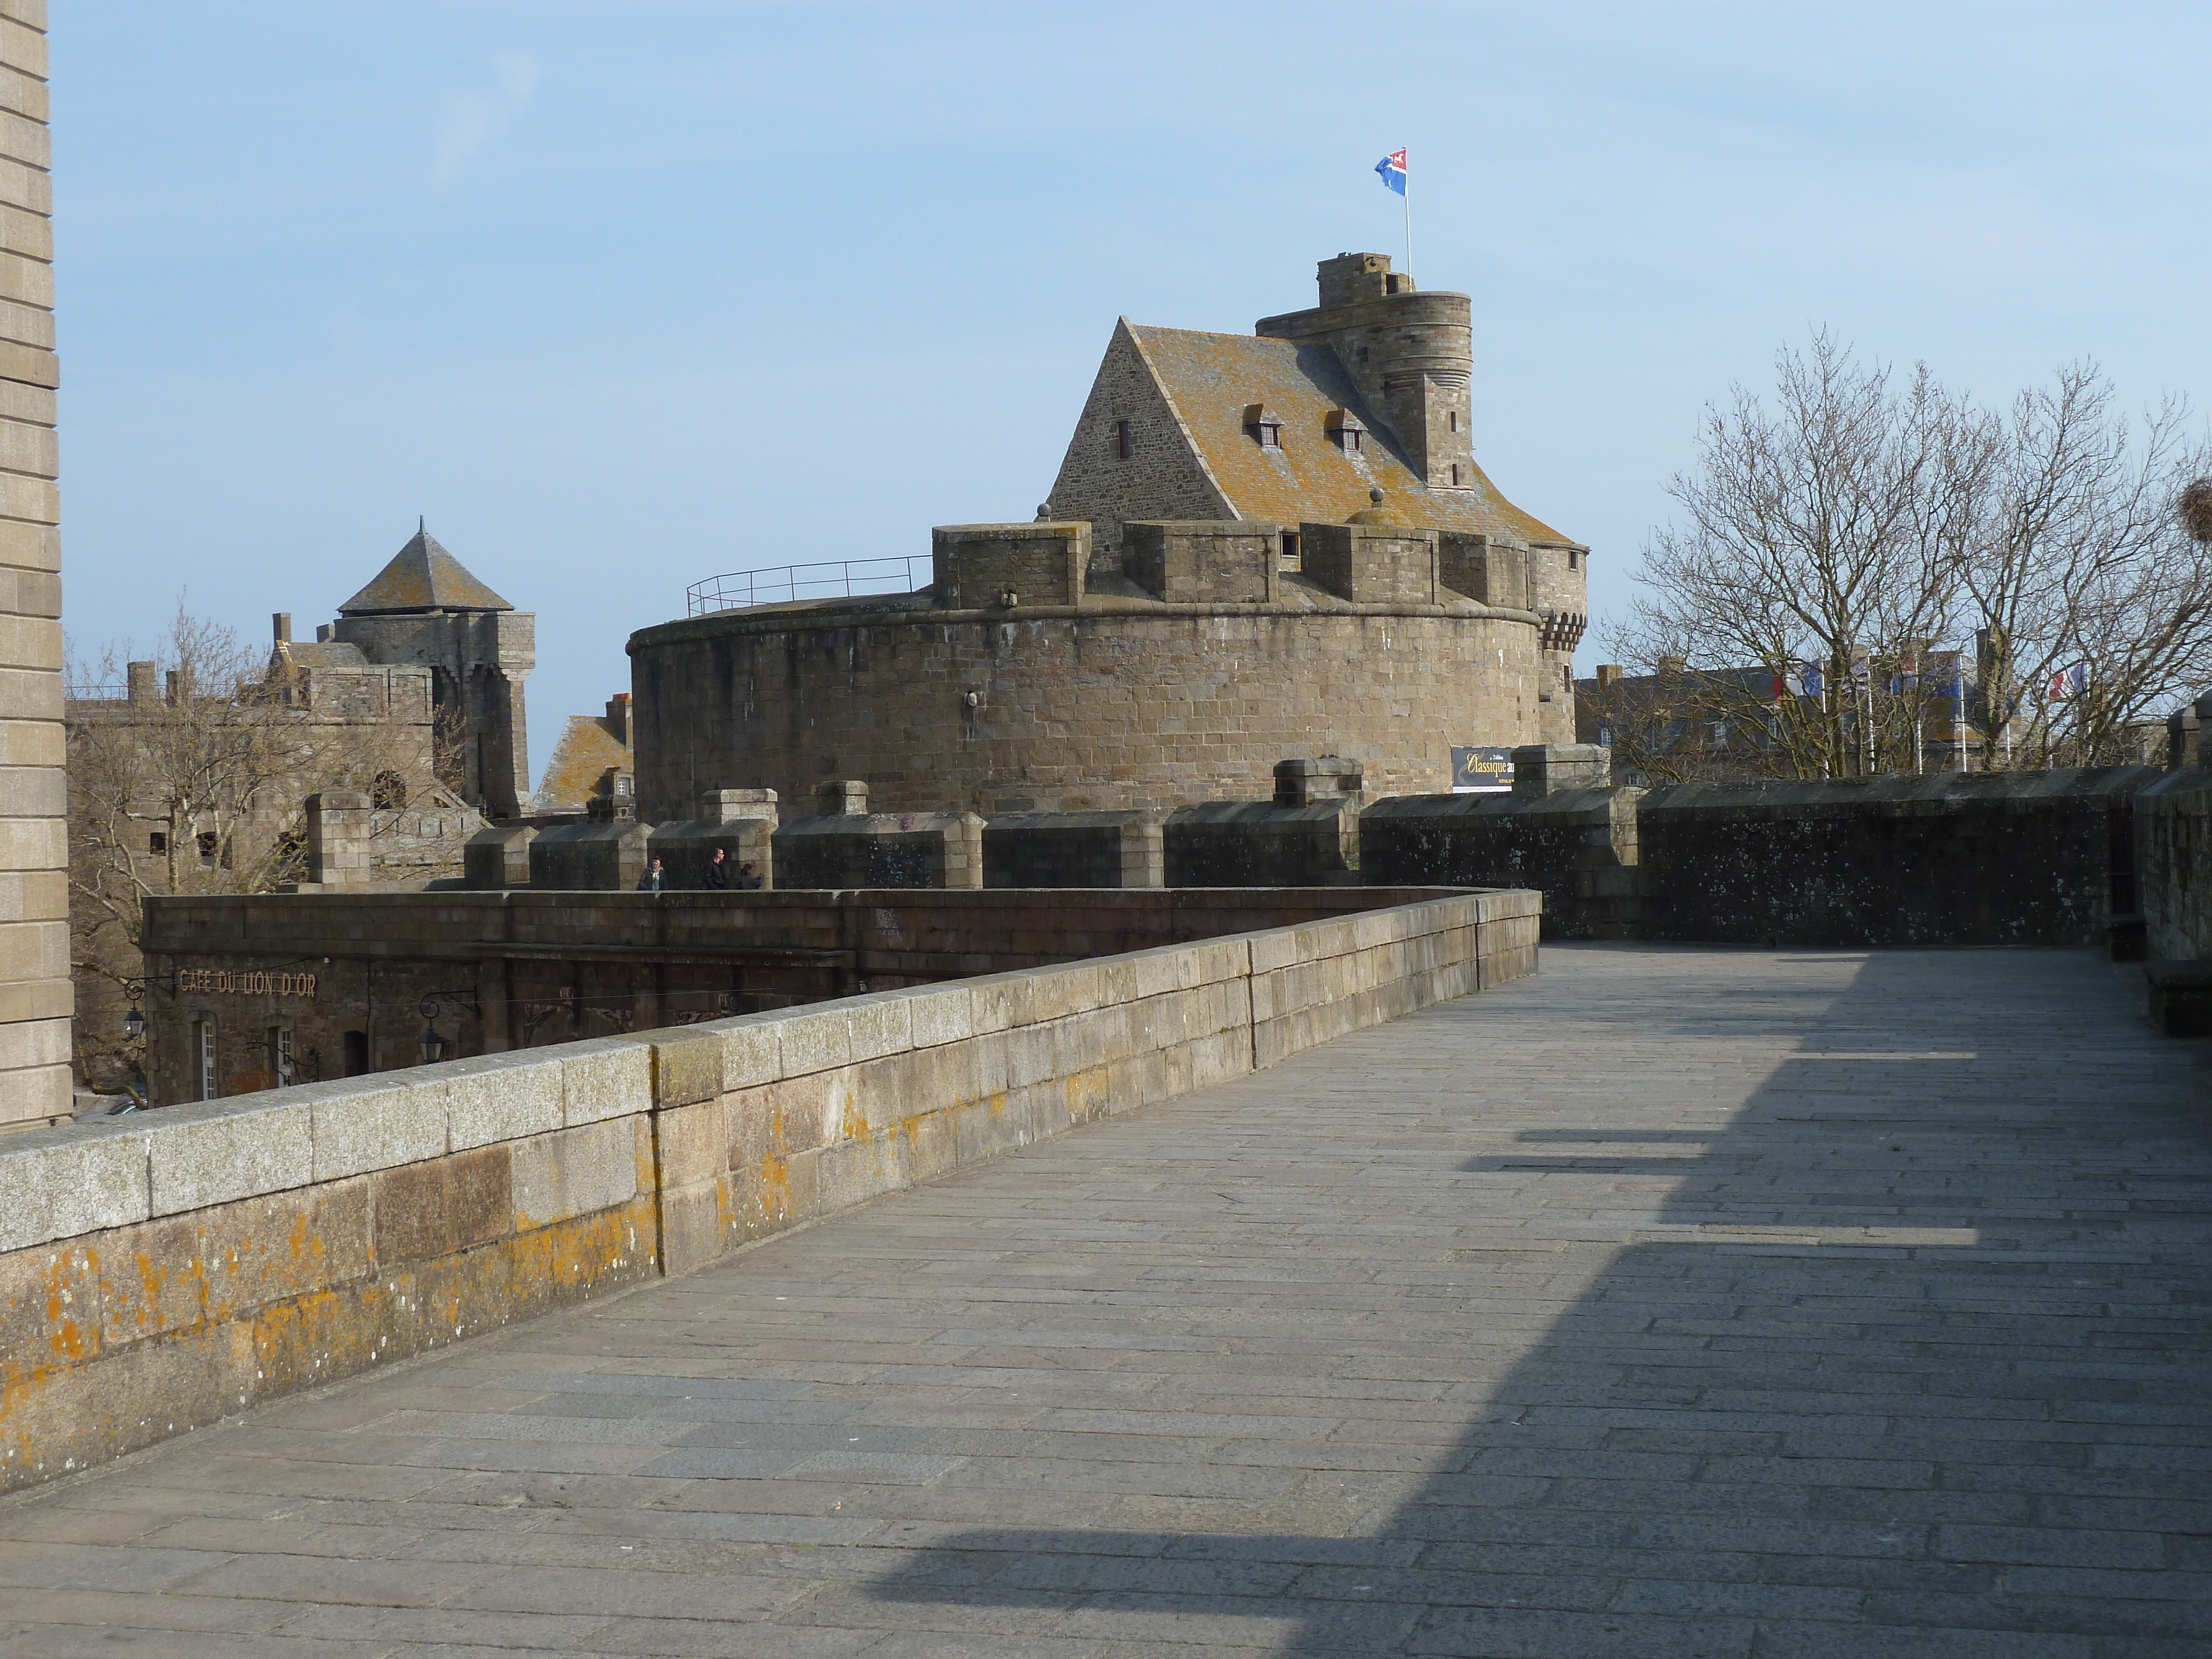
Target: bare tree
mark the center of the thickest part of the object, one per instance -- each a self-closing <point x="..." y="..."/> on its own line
<point x="198" y="789"/>
<point x="2092" y="606"/>
<point x="1859" y="525"/>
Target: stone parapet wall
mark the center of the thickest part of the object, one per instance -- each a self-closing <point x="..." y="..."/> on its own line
<point x="1577" y="846"/>
<point x="2174" y="865"/>
<point x="882" y="850"/>
<point x="518" y="969"/>
<point x="161" y="1270"/>
<point x="1982" y="858"/>
<point x="1073" y="849"/>
<point x="1261" y="844"/>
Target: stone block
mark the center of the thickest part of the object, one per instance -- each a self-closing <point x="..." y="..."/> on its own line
<point x="423" y="1210"/>
<point x="500" y="1097"/>
<point x="933" y="1144"/>
<point x="606" y="1078"/>
<point x="52" y="1309"/>
<point x="75" y="1179"/>
<point x="853" y="1171"/>
<point x="939" y="1013"/>
<point x="360" y="1127"/>
<point x="899" y="1087"/>
<point x="817" y="1110"/>
<point x="878" y="1024"/>
<point x="690" y="1228"/>
<point x="573" y="1172"/>
<point x="752" y="1050"/>
<point x="817" y="1040"/>
<point x="213" y="1152"/>
<point x="687" y="1066"/>
<point x="693" y="1142"/>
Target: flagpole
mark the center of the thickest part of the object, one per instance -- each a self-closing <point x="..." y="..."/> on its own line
<point x="1406" y="200"/>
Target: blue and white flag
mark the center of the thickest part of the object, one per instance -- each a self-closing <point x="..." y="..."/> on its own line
<point x="1391" y="167"/>
<point x="1810" y="679"/>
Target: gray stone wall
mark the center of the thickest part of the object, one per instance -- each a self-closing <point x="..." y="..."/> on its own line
<point x="1371" y="564"/>
<point x="1982" y="858"/>
<point x="1104" y="709"/>
<point x="479" y="660"/>
<point x="1576" y="845"/>
<point x="1204" y="561"/>
<point x="974" y="567"/>
<point x="881" y="849"/>
<point x="2173" y="864"/>
<point x="1160" y="477"/>
<point x="1073" y="849"/>
<point x="1261" y="844"/>
<point x="35" y="952"/>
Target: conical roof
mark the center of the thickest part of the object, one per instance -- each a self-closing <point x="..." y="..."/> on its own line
<point x="423" y="576"/>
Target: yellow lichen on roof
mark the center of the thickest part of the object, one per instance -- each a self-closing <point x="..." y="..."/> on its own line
<point x="1214" y="380"/>
<point x="579" y="760"/>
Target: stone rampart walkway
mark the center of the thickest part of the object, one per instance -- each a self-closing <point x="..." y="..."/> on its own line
<point x="1676" y="1302"/>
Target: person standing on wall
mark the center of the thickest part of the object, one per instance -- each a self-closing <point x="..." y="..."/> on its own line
<point x="718" y="872"/>
<point x="650" y="881"/>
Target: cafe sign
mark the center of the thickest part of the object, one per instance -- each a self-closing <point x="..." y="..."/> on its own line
<point x="228" y="982"/>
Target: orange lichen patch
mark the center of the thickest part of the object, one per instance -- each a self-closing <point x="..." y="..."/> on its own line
<point x="583" y="755"/>
<point x="1212" y="381"/>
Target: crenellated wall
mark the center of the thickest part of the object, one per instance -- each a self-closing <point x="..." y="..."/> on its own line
<point x="161" y="1270"/>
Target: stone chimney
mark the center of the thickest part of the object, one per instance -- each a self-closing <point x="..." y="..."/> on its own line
<point x="620" y="722"/>
<point x="281" y="623"/>
<point x="141" y="675"/>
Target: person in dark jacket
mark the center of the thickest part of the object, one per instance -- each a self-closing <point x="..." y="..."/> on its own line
<point x="718" y="872"/>
<point x="650" y="881"/>
<point x="749" y="879"/>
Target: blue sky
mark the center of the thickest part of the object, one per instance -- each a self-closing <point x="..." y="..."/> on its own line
<point x="620" y="296"/>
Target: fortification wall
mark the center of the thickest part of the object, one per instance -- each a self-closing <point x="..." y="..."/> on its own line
<point x="306" y="1234"/>
<point x="35" y="944"/>
<point x="2174" y="865"/>
<point x="1984" y="858"/>
<point x="1153" y="706"/>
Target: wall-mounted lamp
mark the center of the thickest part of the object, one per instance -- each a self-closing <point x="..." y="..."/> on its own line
<point x="431" y="1046"/>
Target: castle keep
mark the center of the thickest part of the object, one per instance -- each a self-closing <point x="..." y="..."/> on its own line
<point x="1258" y="545"/>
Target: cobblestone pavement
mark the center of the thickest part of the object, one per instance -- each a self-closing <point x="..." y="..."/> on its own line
<point x="1675" y="1303"/>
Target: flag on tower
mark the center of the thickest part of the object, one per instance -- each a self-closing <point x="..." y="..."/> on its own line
<point x="1391" y="167"/>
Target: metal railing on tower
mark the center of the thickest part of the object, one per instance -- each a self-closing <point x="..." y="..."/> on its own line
<point x="786" y="584"/>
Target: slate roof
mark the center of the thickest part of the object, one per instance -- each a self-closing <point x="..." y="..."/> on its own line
<point x="579" y="760"/>
<point x="321" y="653"/>
<point x="423" y="576"/>
<point x="1211" y="379"/>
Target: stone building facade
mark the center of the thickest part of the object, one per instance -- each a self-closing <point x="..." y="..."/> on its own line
<point x="425" y="610"/>
<point x="35" y="999"/>
<point x="1257" y="546"/>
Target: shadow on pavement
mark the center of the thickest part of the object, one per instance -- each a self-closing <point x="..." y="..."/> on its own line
<point x="1911" y="1360"/>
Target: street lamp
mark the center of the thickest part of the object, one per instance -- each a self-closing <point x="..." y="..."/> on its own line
<point x="431" y="1047"/>
<point x="134" y="1025"/>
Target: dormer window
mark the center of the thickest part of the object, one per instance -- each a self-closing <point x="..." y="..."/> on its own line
<point x="1265" y="426"/>
<point x="1345" y="427"/>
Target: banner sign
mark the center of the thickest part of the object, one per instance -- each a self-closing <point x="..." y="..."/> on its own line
<point x="1486" y="771"/>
